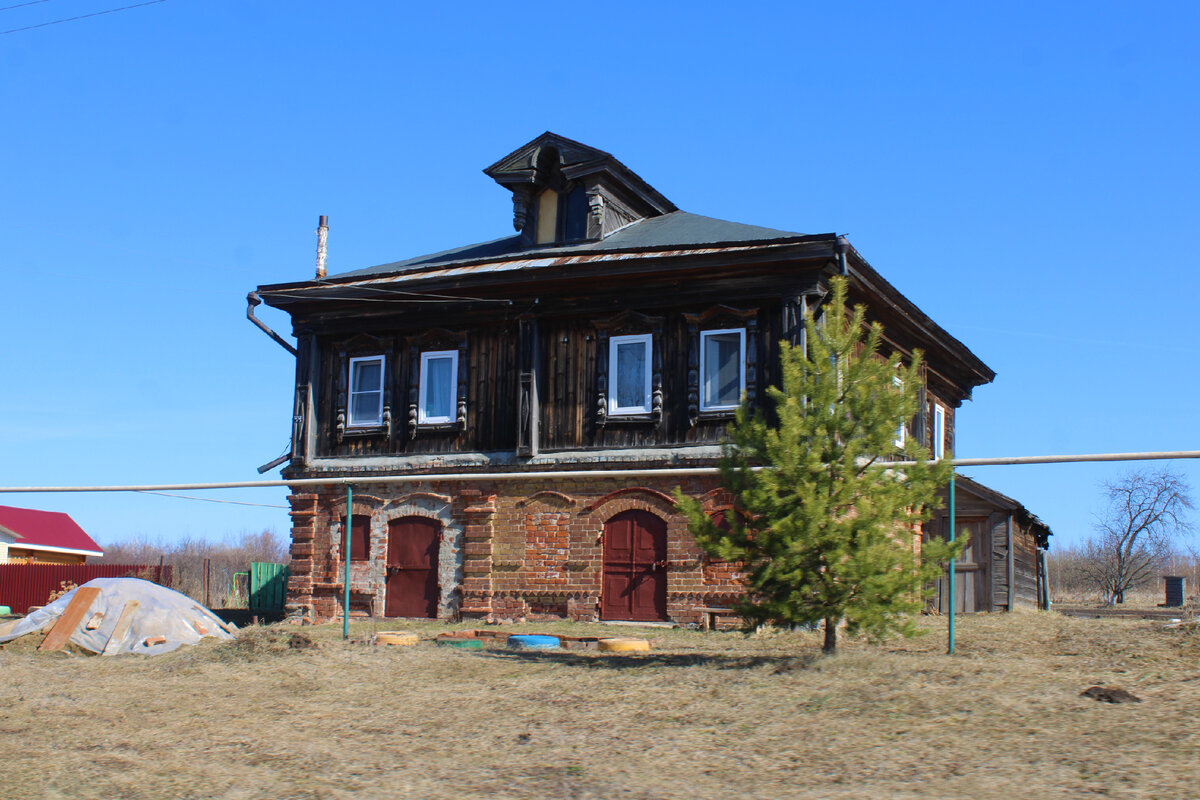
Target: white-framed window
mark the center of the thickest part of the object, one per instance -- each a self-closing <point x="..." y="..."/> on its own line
<point x="939" y="431"/>
<point x="366" y="391"/>
<point x="437" y="387"/>
<point x="902" y="430"/>
<point x="629" y="374"/>
<point x="722" y="368"/>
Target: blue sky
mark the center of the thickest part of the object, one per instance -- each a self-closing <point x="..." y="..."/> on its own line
<point x="1026" y="174"/>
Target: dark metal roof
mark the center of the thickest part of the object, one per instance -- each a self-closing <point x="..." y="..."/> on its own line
<point x="677" y="229"/>
<point x="1040" y="530"/>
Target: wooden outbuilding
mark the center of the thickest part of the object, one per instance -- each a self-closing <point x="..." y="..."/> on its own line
<point x="1004" y="564"/>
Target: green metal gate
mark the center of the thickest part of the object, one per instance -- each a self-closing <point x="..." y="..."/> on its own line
<point x="268" y="586"/>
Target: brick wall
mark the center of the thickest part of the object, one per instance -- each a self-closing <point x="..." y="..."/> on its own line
<point x="510" y="550"/>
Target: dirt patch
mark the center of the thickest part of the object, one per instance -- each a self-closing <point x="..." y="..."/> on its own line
<point x="702" y="715"/>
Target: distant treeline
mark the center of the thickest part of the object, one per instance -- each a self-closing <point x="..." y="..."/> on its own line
<point x="187" y="556"/>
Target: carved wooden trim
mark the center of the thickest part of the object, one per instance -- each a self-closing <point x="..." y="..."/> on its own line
<point x="625" y="323"/>
<point x="360" y="345"/>
<point x="528" y="412"/>
<point x="436" y="339"/>
<point x="716" y="318"/>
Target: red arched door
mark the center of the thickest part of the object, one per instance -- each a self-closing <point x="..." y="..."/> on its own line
<point x="412" y="558"/>
<point x="635" y="571"/>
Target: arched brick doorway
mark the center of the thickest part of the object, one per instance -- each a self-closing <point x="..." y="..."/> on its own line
<point x="412" y="567"/>
<point x="635" y="570"/>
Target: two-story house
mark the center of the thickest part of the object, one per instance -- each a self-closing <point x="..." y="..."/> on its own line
<point x="609" y="339"/>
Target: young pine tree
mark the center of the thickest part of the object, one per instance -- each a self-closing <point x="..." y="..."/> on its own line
<point x="824" y="530"/>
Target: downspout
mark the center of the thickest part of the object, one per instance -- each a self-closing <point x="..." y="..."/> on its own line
<point x="253" y="300"/>
<point x="840" y="249"/>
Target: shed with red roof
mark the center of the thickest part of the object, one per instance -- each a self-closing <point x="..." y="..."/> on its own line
<point x="48" y="537"/>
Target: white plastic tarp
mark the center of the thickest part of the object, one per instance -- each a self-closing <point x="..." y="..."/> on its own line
<point x="160" y="612"/>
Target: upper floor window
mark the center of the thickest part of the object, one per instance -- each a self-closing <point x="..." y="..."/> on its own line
<point x="366" y="391"/>
<point x="902" y="430"/>
<point x="629" y="374"/>
<point x="437" y="388"/>
<point x="723" y="368"/>
<point x="939" y="431"/>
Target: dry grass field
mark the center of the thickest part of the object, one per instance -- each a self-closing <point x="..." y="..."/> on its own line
<point x="705" y="715"/>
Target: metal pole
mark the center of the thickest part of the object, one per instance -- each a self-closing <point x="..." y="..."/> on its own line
<point x="346" y="557"/>
<point x="952" y="598"/>
<point x="579" y="474"/>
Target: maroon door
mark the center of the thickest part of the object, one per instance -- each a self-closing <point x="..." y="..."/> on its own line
<point x="635" y="573"/>
<point x="412" y="587"/>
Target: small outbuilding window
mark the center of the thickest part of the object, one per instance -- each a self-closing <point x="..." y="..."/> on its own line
<point x="366" y="391"/>
<point x="629" y="374"/>
<point x="723" y="357"/>
<point x="439" y="370"/>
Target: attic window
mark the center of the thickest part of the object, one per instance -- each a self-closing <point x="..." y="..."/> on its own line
<point x="562" y="217"/>
<point x="547" y="216"/>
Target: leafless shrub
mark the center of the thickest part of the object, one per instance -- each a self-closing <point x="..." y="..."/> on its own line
<point x="1147" y="513"/>
<point x="1070" y="582"/>
<point x="188" y="558"/>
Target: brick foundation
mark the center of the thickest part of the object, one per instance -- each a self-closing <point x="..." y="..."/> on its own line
<point x="510" y="550"/>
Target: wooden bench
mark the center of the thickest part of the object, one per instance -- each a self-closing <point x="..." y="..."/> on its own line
<point x="710" y="615"/>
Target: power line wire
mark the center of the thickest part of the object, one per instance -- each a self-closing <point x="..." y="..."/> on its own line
<point x="22" y="5"/>
<point x="214" y="500"/>
<point x="81" y="16"/>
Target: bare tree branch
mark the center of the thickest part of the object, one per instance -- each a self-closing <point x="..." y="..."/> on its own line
<point x="1147" y="513"/>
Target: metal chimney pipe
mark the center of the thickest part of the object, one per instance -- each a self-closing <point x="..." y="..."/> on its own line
<point x="322" y="239"/>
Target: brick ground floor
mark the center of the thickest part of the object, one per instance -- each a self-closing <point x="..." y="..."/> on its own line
<point x="509" y="550"/>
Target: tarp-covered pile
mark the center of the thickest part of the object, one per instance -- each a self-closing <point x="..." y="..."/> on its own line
<point x="121" y="615"/>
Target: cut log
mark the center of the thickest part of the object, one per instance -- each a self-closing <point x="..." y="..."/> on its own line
<point x="124" y="623"/>
<point x="95" y="621"/>
<point x="80" y="604"/>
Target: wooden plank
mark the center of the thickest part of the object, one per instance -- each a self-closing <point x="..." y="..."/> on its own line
<point x="124" y="623"/>
<point x="80" y="604"/>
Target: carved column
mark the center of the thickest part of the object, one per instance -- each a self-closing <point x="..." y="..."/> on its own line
<point x="528" y="412"/>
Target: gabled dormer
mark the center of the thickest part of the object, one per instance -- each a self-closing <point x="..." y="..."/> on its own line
<point x="565" y="192"/>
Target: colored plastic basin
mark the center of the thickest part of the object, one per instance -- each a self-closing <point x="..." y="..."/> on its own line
<point x="623" y="645"/>
<point x="533" y="641"/>
<point x="396" y="637"/>
<point x="462" y="644"/>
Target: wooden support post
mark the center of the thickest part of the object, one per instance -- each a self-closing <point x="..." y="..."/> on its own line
<point x="1012" y="589"/>
<point x="124" y="623"/>
<point x="79" y="606"/>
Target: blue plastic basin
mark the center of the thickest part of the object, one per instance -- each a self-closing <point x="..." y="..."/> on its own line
<point x="533" y="641"/>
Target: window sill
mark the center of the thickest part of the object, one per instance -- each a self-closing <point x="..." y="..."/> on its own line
<point x="717" y="414"/>
<point x="438" y="427"/>
<point x="360" y="431"/>
<point x="629" y="419"/>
